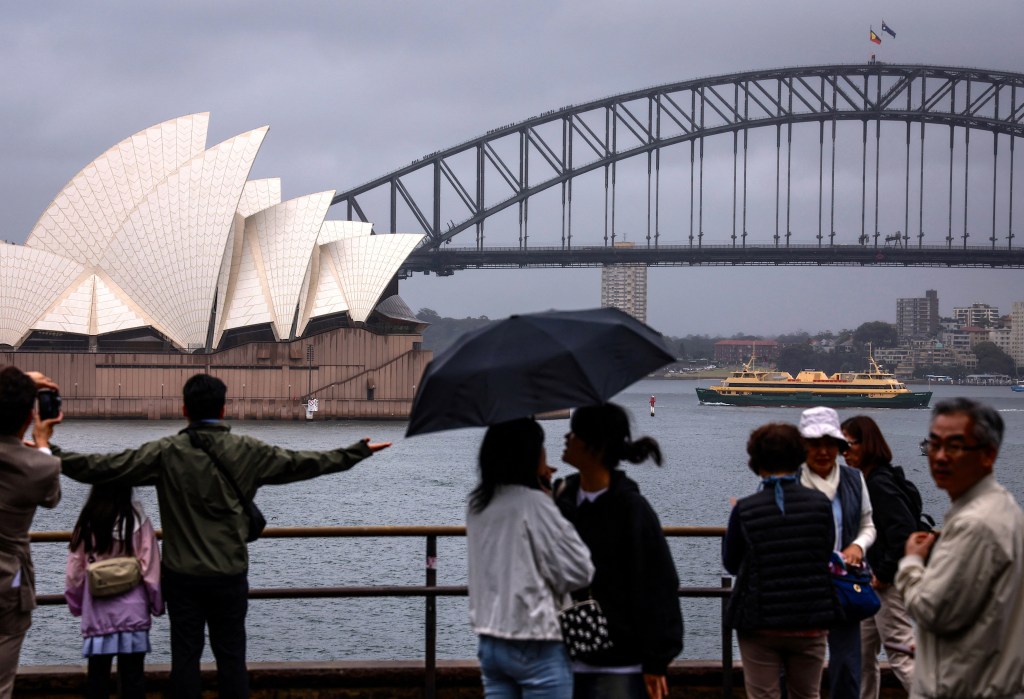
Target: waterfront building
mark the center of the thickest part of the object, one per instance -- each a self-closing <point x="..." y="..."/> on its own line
<point x="161" y="258"/>
<point x="625" y="287"/>
<point x="976" y="315"/>
<point x="736" y="352"/>
<point x="898" y="360"/>
<point x="918" y="317"/>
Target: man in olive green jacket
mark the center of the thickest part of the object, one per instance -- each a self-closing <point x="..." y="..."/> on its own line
<point x="205" y="556"/>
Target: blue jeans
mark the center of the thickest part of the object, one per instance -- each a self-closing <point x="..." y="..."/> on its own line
<point x="524" y="669"/>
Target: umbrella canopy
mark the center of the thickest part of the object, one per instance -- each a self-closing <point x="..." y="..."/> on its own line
<point x="534" y="363"/>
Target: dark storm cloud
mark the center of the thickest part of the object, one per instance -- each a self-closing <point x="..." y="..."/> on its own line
<point x="352" y="90"/>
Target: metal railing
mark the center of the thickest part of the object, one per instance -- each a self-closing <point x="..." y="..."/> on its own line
<point x="430" y="591"/>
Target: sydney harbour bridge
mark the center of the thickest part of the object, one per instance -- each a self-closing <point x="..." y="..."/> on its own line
<point x="867" y="164"/>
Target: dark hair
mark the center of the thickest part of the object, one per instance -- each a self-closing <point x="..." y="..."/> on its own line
<point x="874" y="450"/>
<point x="108" y="509"/>
<point x="509" y="455"/>
<point x="776" y="447"/>
<point x="204" y="397"/>
<point x="988" y="424"/>
<point x="604" y="429"/>
<point x="17" y="398"/>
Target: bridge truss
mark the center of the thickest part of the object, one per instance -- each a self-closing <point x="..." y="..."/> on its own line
<point x="459" y="189"/>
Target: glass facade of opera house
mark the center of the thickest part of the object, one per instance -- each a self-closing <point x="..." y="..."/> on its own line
<point x="161" y="259"/>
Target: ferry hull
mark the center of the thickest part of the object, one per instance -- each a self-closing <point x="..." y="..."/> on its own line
<point x="801" y="399"/>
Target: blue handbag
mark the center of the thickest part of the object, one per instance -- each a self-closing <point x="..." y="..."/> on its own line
<point x="852" y="584"/>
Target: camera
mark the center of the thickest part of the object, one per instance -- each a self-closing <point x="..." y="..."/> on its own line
<point x="49" y="404"/>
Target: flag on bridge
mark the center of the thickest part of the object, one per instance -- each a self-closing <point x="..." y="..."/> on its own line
<point x="888" y="30"/>
<point x="874" y="37"/>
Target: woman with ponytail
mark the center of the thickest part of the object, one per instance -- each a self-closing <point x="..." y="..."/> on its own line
<point x="635" y="580"/>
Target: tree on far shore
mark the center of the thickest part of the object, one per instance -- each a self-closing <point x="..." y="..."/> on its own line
<point x="992" y="360"/>
<point x="877" y="332"/>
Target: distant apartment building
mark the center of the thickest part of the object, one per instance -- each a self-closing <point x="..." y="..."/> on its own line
<point x="904" y="360"/>
<point x="625" y="287"/>
<point x="1016" y="350"/>
<point x="1002" y="338"/>
<point x="735" y="352"/>
<point x="979" y="315"/>
<point x="918" y="317"/>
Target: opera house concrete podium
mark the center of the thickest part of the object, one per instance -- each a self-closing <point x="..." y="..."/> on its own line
<point x="161" y="259"/>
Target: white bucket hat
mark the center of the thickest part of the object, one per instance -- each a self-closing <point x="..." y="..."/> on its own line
<point x="819" y="422"/>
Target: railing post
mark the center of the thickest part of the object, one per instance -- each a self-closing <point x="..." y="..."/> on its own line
<point x="430" y="649"/>
<point x="726" y="643"/>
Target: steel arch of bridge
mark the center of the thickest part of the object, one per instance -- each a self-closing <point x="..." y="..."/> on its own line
<point x="565" y="143"/>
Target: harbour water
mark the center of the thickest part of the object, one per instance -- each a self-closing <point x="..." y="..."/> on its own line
<point x="424" y="481"/>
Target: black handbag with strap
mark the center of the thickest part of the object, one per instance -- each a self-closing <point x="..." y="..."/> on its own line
<point x="257" y="522"/>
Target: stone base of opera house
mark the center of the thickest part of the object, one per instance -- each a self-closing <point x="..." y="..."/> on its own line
<point x="351" y="372"/>
<point x="456" y="679"/>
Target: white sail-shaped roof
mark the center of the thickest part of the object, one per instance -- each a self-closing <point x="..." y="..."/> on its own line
<point x="113" y="310"/>
<point x="286" y="235"/>
<point x="167" y="255"/>
<point x="270" y="277"/>
<point x="248" y="301"/>
<point x="30" y="282"/>
<point x="91" y="208"/>
<point x="339" y="230"/>
<point x="158" y="232"/>
<point x="322" y="291"/>
<point x="365" y="266"/>
<point x="74" y="312"/>
<point x="326" y="296"/>
<point x="258" y="195"/>
<point x="93" y="306"/>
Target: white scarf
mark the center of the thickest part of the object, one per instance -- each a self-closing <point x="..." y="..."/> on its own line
<point x="829" y="485"/>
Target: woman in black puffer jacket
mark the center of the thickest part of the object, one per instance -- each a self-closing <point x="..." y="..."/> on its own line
<point x="778" y="545"/>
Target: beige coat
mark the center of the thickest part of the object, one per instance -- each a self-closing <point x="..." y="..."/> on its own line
<point x="968" y="601"/>
<point x="28" y="478"/>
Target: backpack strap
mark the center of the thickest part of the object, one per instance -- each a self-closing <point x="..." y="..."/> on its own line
<point x="193" y="437"/>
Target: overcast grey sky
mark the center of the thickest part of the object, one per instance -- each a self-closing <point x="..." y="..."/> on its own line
<point x="352" y="90"/>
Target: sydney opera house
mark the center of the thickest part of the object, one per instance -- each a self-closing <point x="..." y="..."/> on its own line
<point x="161" y="259"/>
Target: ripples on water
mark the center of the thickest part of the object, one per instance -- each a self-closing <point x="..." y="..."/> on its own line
<point x="424" y="480"/>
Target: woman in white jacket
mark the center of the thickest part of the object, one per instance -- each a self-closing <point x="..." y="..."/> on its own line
<point x="524" y="558"/>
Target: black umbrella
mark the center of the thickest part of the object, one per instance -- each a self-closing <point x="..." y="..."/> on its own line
<point x="534" y="363"/>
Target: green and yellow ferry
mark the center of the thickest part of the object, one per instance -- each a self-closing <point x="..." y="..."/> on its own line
<point x="873" y="388"/>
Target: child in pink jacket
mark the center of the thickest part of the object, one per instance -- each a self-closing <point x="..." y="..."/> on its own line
<point x="112" y="524"/>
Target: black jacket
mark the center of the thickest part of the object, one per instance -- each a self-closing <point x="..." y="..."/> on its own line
<point x="781" y="561"/>
<point x="635" y="580"/>
<point x="894" y="521"/>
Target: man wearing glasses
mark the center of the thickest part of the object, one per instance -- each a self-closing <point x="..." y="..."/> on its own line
<point x="965" y="588"/>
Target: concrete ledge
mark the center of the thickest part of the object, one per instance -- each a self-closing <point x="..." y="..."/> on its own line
<point x="369" y="679"/>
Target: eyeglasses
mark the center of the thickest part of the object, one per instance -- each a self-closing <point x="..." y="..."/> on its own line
<point x="953" y="449"/>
